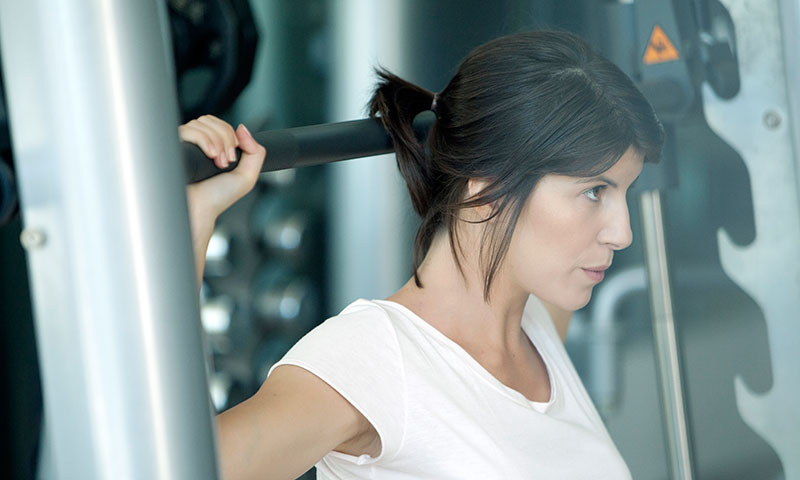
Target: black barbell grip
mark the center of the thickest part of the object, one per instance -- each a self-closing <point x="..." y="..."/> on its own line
<point x="311" y="145"/>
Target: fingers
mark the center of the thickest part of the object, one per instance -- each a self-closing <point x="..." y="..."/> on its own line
<point x="219" y="141"/>
<point x="226" y="133"/>
<point x="253" y="155"/>
<point x="195" y="133"/>
<point x="215" y="138"/>
<point x="210" y="197"/>
<point x="246" y="142"/>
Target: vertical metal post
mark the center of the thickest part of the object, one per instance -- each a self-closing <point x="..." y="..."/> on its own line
<point x="665" y="338"/>
<point x="93" y="118"/>
<point x="368" y="249"/>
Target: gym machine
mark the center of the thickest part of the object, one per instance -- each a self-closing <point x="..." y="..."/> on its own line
<point x="736" y="57"/>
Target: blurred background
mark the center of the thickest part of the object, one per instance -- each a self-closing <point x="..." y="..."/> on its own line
<point x="307" y="242"/>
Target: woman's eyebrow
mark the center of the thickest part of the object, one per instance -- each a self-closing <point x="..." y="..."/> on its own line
<point x="599" y="178"/>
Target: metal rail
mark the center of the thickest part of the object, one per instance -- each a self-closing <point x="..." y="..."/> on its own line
<point x="665" y="338"/>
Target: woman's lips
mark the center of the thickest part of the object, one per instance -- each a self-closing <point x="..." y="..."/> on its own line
<point x="595" y="274"/>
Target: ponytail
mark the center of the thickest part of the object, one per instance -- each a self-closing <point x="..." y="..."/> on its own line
<point x="396" y="102"/>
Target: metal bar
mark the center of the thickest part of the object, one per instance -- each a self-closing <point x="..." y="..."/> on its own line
<point x="288" y="148"/>
<point x="93" y="116"/>
<point x="789" y="13"/>
<point x="311" y="145"/>
<point x="665" y="338"/>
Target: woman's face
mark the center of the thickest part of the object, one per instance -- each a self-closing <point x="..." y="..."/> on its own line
<point x="568" y="232"/>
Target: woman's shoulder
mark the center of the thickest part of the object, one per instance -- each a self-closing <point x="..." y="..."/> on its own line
<point x="372" y="314"/>
<point x="364" y="308"/>
<point x="363" y="313"/>
<point x="360" y="338"/>
<point x="364" y="325"/>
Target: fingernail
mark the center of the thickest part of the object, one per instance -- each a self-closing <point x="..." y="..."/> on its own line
<point x="245" y="129"/>
<point x="232" y="154"/>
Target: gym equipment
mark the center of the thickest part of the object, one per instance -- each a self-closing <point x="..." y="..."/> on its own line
<point x="737" y="58"/>
<point x="660" y="65"/>
<point x="282" y="228"/>
<point x="8" y="190"/>
<point x="214" y="46"/>
<point x="311" y="145"/>
<point x="761" y="124"/>
<point x="8" y="193"/>
<point x="107" y="238"/>
<point x="678" y="43"/>
<point x="284" y="299"/>
<point x="287" y="148"/>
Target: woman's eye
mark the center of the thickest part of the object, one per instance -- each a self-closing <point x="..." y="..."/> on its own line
<point x="594" y="193"/>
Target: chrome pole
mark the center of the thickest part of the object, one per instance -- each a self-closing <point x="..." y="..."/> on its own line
<point x="665" y="338"/>
<point x="93" y="116"/>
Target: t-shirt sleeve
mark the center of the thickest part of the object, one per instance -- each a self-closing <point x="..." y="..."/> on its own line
<point x="357" y="353"/>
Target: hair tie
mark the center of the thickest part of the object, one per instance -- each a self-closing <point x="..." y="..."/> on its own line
<point x="435" y="104"/>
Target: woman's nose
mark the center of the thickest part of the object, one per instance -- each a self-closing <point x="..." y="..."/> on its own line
<point x="616" y="233"/>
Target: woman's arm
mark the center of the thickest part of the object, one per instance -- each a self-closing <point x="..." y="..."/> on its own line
<point x="289" y="425"/>
<point x="209" y="198"/>
<point x="295" y="418"/>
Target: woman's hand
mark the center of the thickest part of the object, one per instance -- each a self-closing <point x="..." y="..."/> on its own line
<point x="209" y="198"/>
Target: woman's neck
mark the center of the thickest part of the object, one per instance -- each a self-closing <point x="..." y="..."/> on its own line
<point x="452" y="300"/>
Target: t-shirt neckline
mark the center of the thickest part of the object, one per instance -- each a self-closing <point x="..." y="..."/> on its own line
<point x="479" y="369"/>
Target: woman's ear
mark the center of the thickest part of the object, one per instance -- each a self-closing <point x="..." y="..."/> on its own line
<point x="475" y="186"/>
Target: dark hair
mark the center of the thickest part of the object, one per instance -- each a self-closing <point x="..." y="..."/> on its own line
<point x="518" y="108"/>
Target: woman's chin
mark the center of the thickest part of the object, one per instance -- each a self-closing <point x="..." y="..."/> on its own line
<point x="566" y="305"/>
<point x="577" y="302"/>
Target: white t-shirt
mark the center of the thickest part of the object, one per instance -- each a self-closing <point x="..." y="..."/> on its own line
<point x="441" y="415"/>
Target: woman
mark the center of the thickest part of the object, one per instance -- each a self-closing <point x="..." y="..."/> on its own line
<point x="521" y="190"/>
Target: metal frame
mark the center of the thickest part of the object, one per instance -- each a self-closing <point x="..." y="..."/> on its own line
<point x="760" y="124"/>
<point x="93" y="115"/>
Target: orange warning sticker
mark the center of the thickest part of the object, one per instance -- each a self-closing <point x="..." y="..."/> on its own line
<point x="660" y="49"/>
